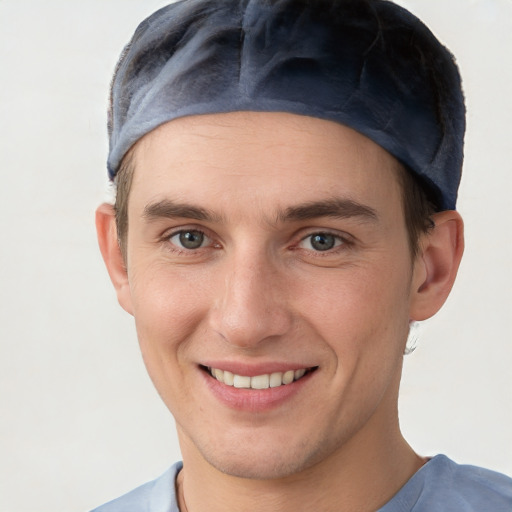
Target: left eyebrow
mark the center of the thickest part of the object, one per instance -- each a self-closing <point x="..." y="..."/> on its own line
<point x="337" y="208"/>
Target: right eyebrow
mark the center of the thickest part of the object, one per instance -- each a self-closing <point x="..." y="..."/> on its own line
<point x="172" y="209"/>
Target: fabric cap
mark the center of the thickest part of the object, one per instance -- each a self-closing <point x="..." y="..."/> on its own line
<point x="367" y="64"/>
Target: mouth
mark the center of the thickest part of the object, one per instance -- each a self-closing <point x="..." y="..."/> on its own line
<point x="259" y="382"/>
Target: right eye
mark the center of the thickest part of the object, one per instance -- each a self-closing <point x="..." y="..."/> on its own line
<point x="189" y="239"/>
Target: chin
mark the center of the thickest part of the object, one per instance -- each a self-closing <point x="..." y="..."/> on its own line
<point x="276" y="467"/>
<point x="264" y="459"/>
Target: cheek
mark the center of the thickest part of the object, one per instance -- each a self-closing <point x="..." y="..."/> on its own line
<point x="363" y="320"/>
<point x="168" y="306"/>
<point x="168" y="309"/>
<point x="360" y="309"/>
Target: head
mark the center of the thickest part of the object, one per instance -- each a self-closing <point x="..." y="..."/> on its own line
<point x="286" y="174"/>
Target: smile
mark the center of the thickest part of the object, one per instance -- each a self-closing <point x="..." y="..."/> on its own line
<point x="265" y="381"/>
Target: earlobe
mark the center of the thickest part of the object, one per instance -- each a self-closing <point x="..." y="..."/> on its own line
<point x="112" y="256"/>
<point x="437" y="264"/>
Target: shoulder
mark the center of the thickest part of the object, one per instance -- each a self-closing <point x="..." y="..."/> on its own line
<point x="476" y="488"/>
<point x="443" y="485"/>
<point x="155" y="496"/>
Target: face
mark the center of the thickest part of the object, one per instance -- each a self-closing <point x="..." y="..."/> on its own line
<point x="269" y="250"/>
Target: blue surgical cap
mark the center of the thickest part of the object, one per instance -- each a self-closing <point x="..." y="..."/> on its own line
<point x="367" y="64"/>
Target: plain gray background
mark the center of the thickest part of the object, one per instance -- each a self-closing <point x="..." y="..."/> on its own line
<point x="80" y="422"/>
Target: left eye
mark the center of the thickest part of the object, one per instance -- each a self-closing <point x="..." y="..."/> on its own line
<point x="190" y="239"/>
<point x="321" y="242"/>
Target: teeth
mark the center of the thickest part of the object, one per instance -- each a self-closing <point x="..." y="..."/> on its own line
<point x="276" y="379"/>
<point x="299" y="373"/>
<point x="288" y="377"/>
<point x="219" y="375"/>
<point x="260" y="382"/>
<point x="229" y="378"/>
<point x="268" y="380"/>
<point x="242" y="382"/>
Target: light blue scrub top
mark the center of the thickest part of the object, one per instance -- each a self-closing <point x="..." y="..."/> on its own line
<point x="440" y="485"/>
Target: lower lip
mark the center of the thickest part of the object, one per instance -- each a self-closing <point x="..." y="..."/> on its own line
<point x="254" y="400"/>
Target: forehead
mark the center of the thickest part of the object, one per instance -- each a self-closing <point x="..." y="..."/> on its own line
<point x="271" y="157"/>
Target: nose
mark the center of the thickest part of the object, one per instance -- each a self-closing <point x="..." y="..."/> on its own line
<point x="251" y="305"/>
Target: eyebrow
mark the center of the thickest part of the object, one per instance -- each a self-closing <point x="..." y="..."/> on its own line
<point x="172" y="209"/>
<point x="334" y="207"/>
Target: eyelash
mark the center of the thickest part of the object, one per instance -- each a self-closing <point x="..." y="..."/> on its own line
<point x="342" y="243"/>
<point x="174" y="247"/>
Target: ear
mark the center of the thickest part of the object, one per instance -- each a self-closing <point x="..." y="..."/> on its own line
<point x="112" y="256"/>
<point x="436" y="265"/>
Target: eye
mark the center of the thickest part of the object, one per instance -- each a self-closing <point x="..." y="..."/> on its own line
<point x="321" y="242"/>
<point x="189" y="239"/>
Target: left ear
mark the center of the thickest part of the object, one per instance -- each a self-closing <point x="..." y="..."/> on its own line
<point x="436" y="265"/>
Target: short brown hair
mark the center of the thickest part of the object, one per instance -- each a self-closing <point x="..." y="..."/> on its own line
<point x="417" y="203"/>
<point x="123" y="185"/>
<point x="418" y="206"/>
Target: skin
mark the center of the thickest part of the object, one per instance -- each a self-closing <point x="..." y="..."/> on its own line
<point x="257" y="293"/>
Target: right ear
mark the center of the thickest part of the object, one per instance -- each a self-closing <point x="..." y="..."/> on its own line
<point x="112" y="256"/>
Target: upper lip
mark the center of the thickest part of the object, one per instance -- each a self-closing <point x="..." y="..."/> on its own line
<point x="254" y="369"/>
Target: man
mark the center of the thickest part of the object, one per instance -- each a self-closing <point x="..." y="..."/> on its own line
<point x="286" y="178"/>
